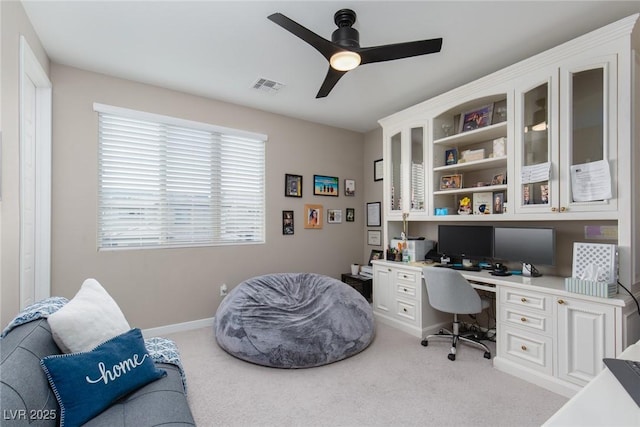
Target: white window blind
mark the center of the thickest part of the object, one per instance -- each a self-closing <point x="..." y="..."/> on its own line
<point x="171" y="182"/>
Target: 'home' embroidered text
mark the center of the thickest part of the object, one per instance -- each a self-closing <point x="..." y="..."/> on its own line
<point x="117" y="370"/>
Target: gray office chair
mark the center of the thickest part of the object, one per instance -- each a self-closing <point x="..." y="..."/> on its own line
<point x="449" y="292"/>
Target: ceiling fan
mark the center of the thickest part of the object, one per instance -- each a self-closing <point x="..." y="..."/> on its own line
<point x="344" y="52"/>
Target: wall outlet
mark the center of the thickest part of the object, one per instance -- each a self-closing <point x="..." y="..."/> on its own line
<point x="223" y="290"/>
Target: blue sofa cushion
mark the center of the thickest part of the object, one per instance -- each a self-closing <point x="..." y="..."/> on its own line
<point x="87" y="383"/>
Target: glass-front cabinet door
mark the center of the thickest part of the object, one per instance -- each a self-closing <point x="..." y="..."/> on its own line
<point x="588" y="139"/>
<point x="405" y="175"/>
<point x="537" y="188"/>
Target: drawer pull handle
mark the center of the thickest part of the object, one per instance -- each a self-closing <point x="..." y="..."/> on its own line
<point x="524" y="348"/>
<point x="523" y="319"/>
<point x="523" y="299"/>
<point x="405" y="289"/>
<point x="560" y="301"/>
<point x="404" y="309"/>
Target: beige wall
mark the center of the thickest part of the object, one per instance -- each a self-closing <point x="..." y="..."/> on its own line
<point x="373" y="189"/>
<point x="13" y="24"/>
<point x="166" y="286"/>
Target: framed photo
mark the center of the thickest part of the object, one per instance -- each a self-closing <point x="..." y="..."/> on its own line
<point x="448" y="182"/>
<point x="451" y="157"/>
<point x="498" y="203"/>
<point x="313" y="216"/>
<point x="325" y="185"/>
<point x="378" y="170"/>
<point x="526" y="194"/>
<point x="476" y="119"/>
<point x="374" y="237"/>
<point x="351" y="214"/>
<point x="334" y="216"/>
<point x="349" y="187"/>
<point x="287" y="223"/>
<point x="292" y="185"/>
<point x="373" y="214"/>
<point x="499" y="179"/>
<point x="544" y="193"/>
<point x="375" y="254"/>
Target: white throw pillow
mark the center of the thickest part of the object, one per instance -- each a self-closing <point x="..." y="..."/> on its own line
<point x="90" y="318"/>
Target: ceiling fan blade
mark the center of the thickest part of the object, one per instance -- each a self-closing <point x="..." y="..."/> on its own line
<point x="399" y="50"/>
<point x="329" y="82"/>
<point x="325" y="47"/>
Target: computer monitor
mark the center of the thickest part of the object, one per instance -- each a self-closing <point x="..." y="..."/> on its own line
<point x="536" y="246"/>
<point x="473" y="242"/>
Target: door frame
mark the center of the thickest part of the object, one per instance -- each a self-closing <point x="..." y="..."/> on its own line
<point x="30" y="68"/>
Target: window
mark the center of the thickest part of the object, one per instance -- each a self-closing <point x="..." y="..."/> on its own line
<point x="166" y="182"/>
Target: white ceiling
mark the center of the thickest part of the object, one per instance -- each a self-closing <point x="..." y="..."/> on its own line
<point x="218" y="49"/>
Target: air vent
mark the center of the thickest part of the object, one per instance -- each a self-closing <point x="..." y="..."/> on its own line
<point x="266" y="85"/>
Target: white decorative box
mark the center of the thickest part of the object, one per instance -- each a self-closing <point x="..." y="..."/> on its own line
<point x="590" y="287"/>
<point x="499" y="147"/>
<point x="473" y="155"/>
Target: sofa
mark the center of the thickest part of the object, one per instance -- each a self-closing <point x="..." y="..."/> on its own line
<point x="28" y="400"/>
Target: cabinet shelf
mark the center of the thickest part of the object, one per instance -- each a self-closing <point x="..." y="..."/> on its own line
<point x="502" y="187"/>
<point x="473" y="136"/>
<point x="489" y="163"/>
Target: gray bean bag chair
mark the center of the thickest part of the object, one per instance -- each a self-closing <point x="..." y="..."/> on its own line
<point x="294" y="320"/>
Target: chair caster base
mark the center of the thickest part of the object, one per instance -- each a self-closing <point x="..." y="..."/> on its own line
<point x="424" y="343"/>
<point x="451" y="357"/>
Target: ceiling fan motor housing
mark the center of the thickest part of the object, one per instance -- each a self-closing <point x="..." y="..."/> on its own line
<point x="345" y="35"/>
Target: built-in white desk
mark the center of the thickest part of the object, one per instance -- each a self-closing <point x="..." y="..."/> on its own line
<point x="602" y="402"/>
<point x="544" y="334"/>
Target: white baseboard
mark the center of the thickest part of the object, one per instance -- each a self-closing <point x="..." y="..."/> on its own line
<point x="178" y="327"/>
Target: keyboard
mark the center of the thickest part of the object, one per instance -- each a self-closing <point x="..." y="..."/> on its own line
<point x="627" y="372"/>
<point x="459" y="267"/>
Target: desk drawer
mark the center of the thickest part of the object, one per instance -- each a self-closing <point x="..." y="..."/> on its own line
<point x="531" y="301"/>
<point x="526" y="349"/>
<point x="406" y="291"/>
<point x="531" y="320"/>
<point x="406" y="310"/>
<point x="409" y="277"/>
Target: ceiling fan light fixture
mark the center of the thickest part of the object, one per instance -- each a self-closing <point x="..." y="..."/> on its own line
<point x="345" y="60"/>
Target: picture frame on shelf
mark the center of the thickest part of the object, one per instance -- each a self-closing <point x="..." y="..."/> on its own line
<point x="526" y="194"/>
<point x="287" y="223"/>
<point x="349" y="187"/>
<point x="375" y="255"/>
<point x="449" y="182"/>
<point x="451" y="157"/>
<point x="313" y="216"/>
<point x="378" y="170"/>
<point x="351" y="215"/>
<point x="498" y="202"/>
<point x="325" y="185"/>
<point x="499" y="179"/>
<point x="373" y="214"/>
<point x="374" y="237"/>
<point x="334" y="216"/>
<point x="292" y="185"/>
<point x="476" y="119"/>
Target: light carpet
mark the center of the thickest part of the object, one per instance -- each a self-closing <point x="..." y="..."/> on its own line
<point x="395" y="381"/>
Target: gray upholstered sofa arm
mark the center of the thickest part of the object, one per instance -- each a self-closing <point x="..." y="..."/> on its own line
<point x="27" y="399"/>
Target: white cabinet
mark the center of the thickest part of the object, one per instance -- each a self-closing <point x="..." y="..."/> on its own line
<point x="555" y="339"/>
<point x="565" y="116"/>
<point x="584" y="337"/>
<point x="405" y="179"/>
<point x="400" y="299"/>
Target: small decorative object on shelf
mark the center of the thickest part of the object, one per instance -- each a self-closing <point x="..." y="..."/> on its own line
<point x="482" y="203"/>
<point x="451" y="156"/>
<point x="499" y="179"/>
<point x="451" y="181"/>
<point x="476" y="119"/>
<point x="473" y="155"/>
<point x="465" y="206"/>
<point x="498" y="203"/>
<point x="499" y="145"/>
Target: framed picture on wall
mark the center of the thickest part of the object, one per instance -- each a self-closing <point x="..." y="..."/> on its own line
<point x="378" y="170"/>
<point x="373" y="214"/>
<point x="325" y="185"/>
<point x="334" y="216"/>
<point x="374" y="237"/>
<point x="349" y="187"/>
<point x="292" y="185"/>
<point x="313" y="216"/>
<point x="351" y="214"/>
<point x="287" y="223"/>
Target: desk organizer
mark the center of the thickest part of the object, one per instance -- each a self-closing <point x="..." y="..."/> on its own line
<point x="589" y="287"/>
